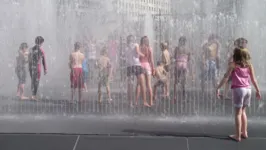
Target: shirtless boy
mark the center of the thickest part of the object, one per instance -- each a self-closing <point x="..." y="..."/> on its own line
<point x="210" y="60"/>
<point x="104" y="66"/>
<point x="76" y="59"/>
<point x="166" y="60"/>
<point x="161" y="75"/>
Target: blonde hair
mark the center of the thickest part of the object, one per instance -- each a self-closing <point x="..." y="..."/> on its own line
<point x="241" y="57"/>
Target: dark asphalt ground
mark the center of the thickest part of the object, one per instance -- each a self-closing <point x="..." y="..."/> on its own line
<point x="123" y="132"/>
<point x="199" y="123"/>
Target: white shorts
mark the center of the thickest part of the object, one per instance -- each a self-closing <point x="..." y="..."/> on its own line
<point x="241" y="97"/>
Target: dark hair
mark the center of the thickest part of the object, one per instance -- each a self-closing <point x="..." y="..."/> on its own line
<point x="142" y="40"/>
<point x="77" y="45"/>
<point x="39" y="40"/>
<point x="129" y="38"/>
<point x="241" y="57"/>
<point x="164" y="46"/>
<point x="239" y="41"/>
<point x="159" y="63"/>
<point x="23" y="46"/>
<point x="182" y="41"/>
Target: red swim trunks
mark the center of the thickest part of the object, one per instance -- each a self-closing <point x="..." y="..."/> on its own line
<point x="76" y="78"/>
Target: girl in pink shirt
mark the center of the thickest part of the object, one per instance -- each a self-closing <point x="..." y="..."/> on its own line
<point x="241" y="71"/>
<point x="147" y="63"/>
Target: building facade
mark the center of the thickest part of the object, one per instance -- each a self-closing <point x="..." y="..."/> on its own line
<point x="133" y="8"/>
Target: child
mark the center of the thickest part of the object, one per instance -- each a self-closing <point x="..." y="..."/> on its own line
<point x="22" y="60"/>
<point x="182" y="57"/>
<point x="242" y="44"/>
<point x="161" y="75"/>
<point x="240" y="71"/>
<point x="166" y="63"/>
<point x="85" y="70"/>
<point x="104" y="66"/>
<point x="211" y="61"/>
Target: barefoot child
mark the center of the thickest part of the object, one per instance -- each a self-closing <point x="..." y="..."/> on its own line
<point x="22" y="60"/>
<point x="104" y="66"/>
<point x="85" y="70"/>
<point x="239" y="43"/>
<point x="211" y="62"/>
<point x="241" y="70"/>
<point x="166" y="60"/>
<point x="76" y="59"/>
<point x="36" y="58"/>
<point x="182" y="57"/>
<point x="161" y="75"/>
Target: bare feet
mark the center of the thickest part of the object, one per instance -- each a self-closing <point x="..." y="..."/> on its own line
<point x="244" y="135"/>
<point x="34" y="98"/>
<point x="146" y="105"/>
<point x="23" y="98"/>
<point x="235" y="138"/>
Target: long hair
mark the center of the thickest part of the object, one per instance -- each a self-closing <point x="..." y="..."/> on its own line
<point x="145" y="49"/>
<point x="241" y="57"/>
<point x="142" y="41"/>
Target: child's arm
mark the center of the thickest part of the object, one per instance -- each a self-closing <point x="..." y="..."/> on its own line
<point x="226" y="75"/>
<point x="152" y="60"/>
<point x="70" y="62"/>
<point x="253" y="79"/>
<point x="138" y="51"/>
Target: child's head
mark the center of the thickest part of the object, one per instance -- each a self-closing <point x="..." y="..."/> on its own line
<point x="163" y="46"/>
<point x="39" y="40"/>
<point x="241" y="42"/>
<point x="130" y="39"/>
<point x="77" y="46"/>
<point x="104" y="51"/>
<point x="241" y="56"/>
<point x="182" y="41"/>
<point x="23" y="46"/>
<point x="159" y="63"/>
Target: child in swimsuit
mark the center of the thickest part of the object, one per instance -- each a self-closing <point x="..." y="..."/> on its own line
<point x="182" y="57"/>
<point x="161" y="75"/>
<point x="147" y="64"/>
<point x="210" y="61"/>
<point x="85" y="70"/>
<point x="22" y="60"/>
<point x="241" y="71"/>
<point x="166" y="60"/>
<point x="104" y="66"/>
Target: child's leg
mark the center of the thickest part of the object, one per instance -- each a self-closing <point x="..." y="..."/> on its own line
<point x="238" y="123"/>
<point x="154" y="91"/>
<point x="148" y="84"/>
<point x="138" y="90"/>
<point x="246" y="103"/>
<point x="130" y="90"/>
<point x="244" y="120"/>
<point x="22" y="87"/>
<point x="141" y="80"/>
<point x="80" y="94"/>
<point x="108" y="92"/>
<point x="175" y="84"/>
<point x="99" y="92"/>
<point x="72" y="94"/>
<point x="18" y="90"/>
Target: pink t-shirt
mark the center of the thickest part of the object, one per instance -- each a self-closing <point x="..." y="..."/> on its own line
<point x="240" y="77"/>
